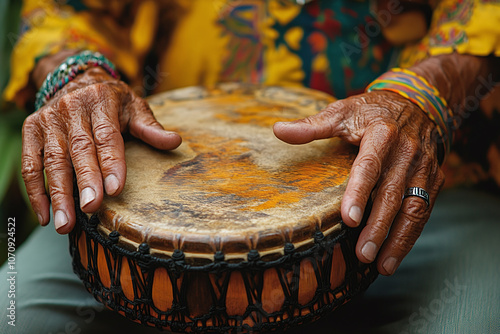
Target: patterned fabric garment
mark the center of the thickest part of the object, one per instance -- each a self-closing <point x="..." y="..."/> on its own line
<point x="277" y="43"/>
<point x="337" y="46"/>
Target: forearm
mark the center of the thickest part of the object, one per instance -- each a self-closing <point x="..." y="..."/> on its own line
<point x="462" y="80"/>
<point x="47" y="65"/>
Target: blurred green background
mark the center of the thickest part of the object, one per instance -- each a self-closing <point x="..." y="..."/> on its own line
<point x="13" y="198"/>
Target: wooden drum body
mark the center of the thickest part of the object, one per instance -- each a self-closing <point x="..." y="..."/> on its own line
<point x="235" y="231"/>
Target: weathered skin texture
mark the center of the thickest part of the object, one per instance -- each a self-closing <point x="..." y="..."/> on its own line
<point x="397" y="151"/>
<point x="80" y="129"/>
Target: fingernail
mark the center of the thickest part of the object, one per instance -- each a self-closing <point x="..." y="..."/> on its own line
<point x="60" y="219"/>
<point x="111" y="184"/>
<point x="356" y="214"/>
<point x="87" y="196"/>
<point x="369" y="251"/>
<point x="40" y="219"/>
<point x="390" y="265"/>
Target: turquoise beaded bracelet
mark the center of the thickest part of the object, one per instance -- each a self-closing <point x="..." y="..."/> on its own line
<point x="68" y="70"/>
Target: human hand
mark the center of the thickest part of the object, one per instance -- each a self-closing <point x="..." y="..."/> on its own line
<point x="397" y="150"/>
<point x="80" y="128"/>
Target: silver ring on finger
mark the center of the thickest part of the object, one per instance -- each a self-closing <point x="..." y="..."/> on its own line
<point x="417" y="192"/>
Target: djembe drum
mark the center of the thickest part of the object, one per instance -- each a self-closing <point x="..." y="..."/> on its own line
<point x="235" y="231"/>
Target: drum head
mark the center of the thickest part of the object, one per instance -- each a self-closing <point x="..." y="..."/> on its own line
<point x="231" y="186"/>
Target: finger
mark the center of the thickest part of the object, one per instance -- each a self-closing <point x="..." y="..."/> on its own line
<point x="388" y="196"/>
<point x="374" y="151"/>
<point x="410" y="221"/>
<point x="326" y="124"/>
<point x="109" y="146"/>
<point x="32" y="170"/>
<point x="60" y="179"/>
<point x="144" y="126"/>
<point x="84" y="157"/>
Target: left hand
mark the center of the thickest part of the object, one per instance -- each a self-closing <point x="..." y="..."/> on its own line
<point x="397" y="150"/>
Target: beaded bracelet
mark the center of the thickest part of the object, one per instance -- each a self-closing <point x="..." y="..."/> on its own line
<point x="68" y="70"/>
<point x="419" y="91"/>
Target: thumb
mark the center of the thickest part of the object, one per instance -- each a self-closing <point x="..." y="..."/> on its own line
<point x="326" y="124"/>
<point x="144" y="126"/>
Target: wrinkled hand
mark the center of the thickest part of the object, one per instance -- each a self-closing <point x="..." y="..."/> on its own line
<point x="396" y="151"/>
<point x="80" y="128"/>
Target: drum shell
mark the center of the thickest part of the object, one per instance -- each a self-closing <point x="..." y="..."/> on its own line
<point x="234" y="231"/>
<point x="249" y="296"/>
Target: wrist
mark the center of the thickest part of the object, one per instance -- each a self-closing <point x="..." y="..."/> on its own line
<point x="454" y="75"/>
<point x="91" y="76"/>
<point x="421" y="93"/>
<point x="68" y="70"/>
<point x="47" y="65"/>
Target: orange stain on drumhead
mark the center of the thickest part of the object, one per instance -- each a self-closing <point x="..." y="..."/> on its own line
<point x="230" y="171"/>
<point x="264" y="115"/>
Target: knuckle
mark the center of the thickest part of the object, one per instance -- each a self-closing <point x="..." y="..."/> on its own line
<point x="48" y="116"/>
<point x="109" y="160"/>
<point x="54" y="158"/>
<point x="84" y="175"/>
<point x="370" y="167"/>
<point x="380" y="230"/>
<point x="68" y="104"/>
<point x="80" y="143"/>
<point x="392" y="196"/>
<point x="104" y="134"/>
<point x="98" y="90"/>
<point x="152" y="122"/>
<point x="359" y="195"/>
<point x="68" y="100"/>
<point x="425" y="166"/>
<point x="57" y="194"/>
<point x="412" y="147"/>
<point x="97" y="95"/>
<point x="389" y="131"/>
<point x="416" y="210"/>
<point x="307" y="120"/>
<point x="30" y="122"/>
<point x="29" y="170"/>
<point x="405" y="240"/>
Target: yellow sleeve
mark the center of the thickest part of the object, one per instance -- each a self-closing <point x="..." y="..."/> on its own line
<point x="466" y="27"/>
<point x="121" y="30"/>
<point x="463" y="26"/>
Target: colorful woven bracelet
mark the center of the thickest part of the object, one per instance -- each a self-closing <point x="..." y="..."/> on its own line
<point x="419" y="91"/>
<point x="68" y="70"/>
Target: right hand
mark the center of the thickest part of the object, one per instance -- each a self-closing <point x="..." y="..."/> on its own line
<point x="80" y="128"/>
